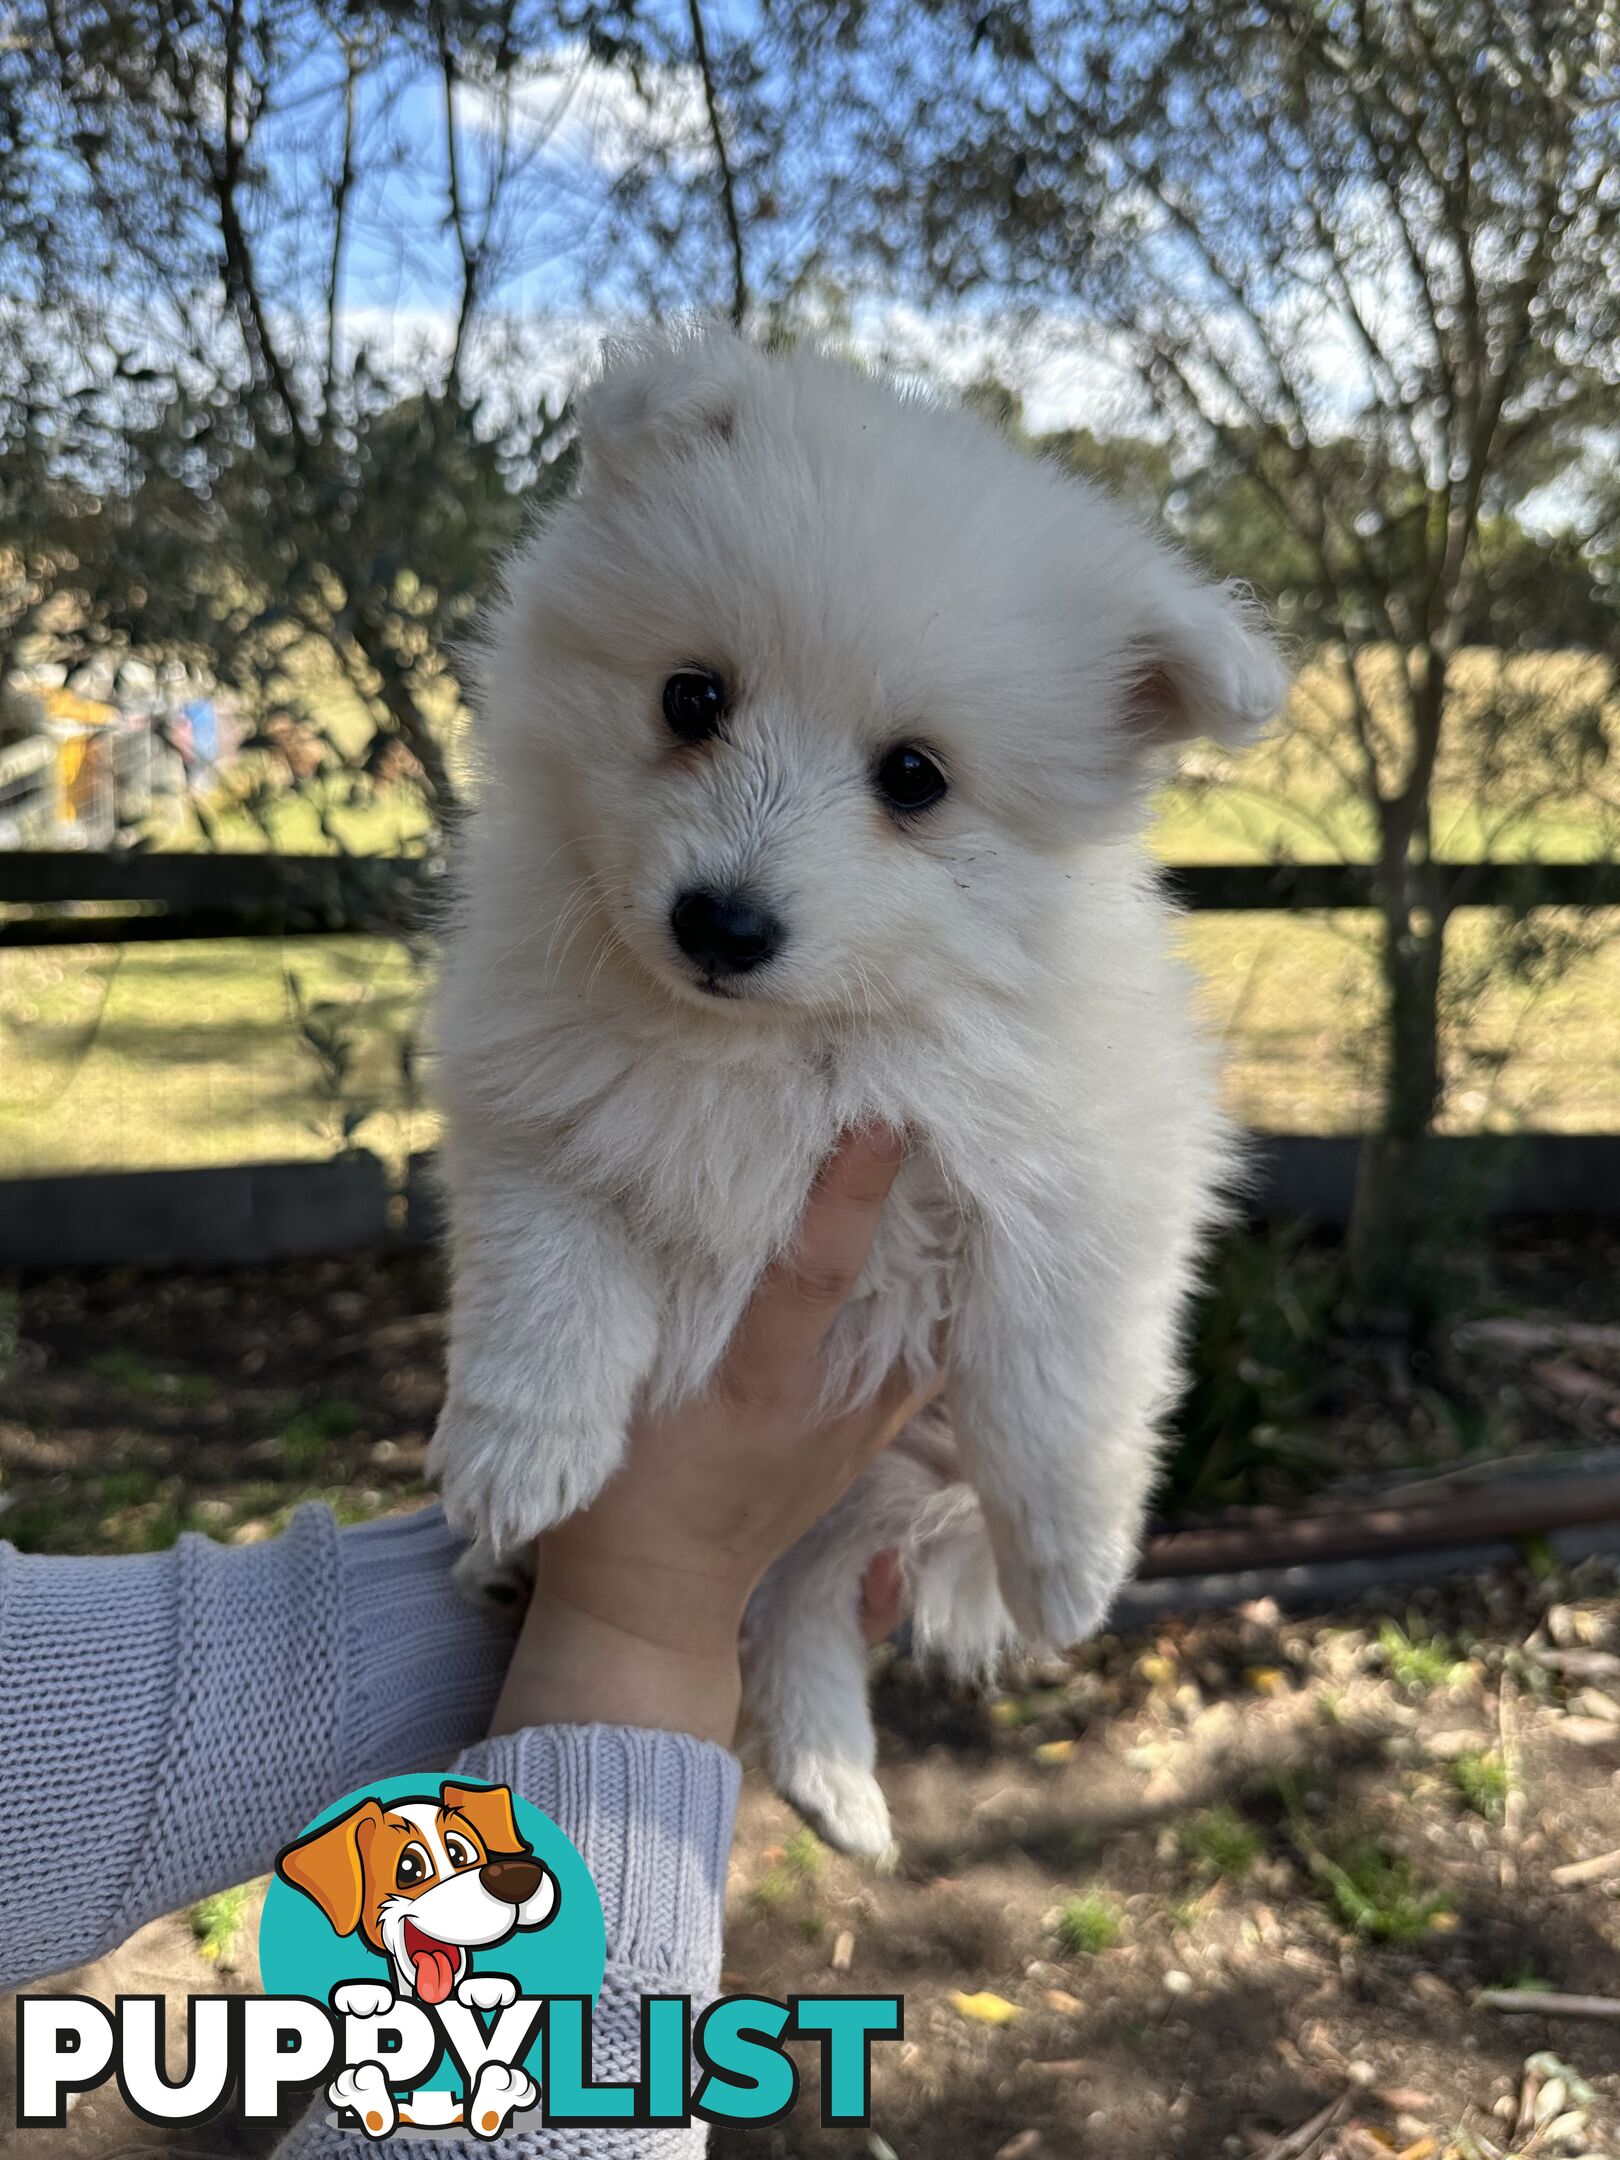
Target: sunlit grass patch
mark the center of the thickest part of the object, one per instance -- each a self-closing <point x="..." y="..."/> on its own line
<point x="217" y="1922"/>
<point x="791" y="1880"/>
<point x="1482" y="1783"/>
<point x="1220" y="1843"/>
<point x="1418" y="1663"/>
<point x="1377" y="1892"/>
<point x="1089" y="1923"/>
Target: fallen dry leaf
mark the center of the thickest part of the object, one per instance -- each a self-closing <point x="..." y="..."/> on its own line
<point x="984" y="2008"/>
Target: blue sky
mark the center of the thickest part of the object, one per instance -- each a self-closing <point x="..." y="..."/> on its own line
<point x="572" y="117"/>
<point x="559" y="285"/>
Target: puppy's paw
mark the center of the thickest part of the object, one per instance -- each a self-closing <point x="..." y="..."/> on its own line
<point x="498" y="2094"/>
<point x="841" y="1802"/>
<point x="363" y="1999"/>
<point x="1055" y="1604"/>
<point x="501" y="1586"/>
<point x="486" y="1991"/>
<point x="364" y="2088"/>
<point x="505" y="1475"/>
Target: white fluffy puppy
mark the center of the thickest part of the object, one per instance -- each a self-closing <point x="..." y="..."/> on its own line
<point x="816" y="728"/>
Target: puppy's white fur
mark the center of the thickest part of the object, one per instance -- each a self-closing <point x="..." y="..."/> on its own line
<point x="626" y="1153"/>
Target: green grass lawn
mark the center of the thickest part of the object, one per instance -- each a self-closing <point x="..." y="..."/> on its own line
<point x="154" y="1056"/>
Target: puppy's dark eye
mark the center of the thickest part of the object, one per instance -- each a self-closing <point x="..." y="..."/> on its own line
<point x="694" y="704"/>
<point x="413" y="1867"/>
<point x="908" y="779"/>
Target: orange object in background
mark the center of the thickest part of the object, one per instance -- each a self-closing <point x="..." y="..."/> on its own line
<point x="81" y="728"/>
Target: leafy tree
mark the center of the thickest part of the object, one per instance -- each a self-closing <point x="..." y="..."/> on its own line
<point x="209" y="450"/>
<point x="1358" y="261"/>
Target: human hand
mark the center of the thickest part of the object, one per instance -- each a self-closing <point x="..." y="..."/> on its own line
<point x="640" y="1597"/>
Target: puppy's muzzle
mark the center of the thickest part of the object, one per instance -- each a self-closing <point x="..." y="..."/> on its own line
<point x="727" y="933"/>
<point x="513" y="1881"/>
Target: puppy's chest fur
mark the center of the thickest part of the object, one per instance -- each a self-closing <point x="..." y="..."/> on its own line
<point x="708" y="1163"/>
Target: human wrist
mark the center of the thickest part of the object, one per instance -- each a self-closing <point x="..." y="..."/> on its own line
<point x="672" y="1595"/>
<point x="580" y="1659"/>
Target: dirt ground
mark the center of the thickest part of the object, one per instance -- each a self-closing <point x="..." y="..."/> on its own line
<point x="1189" y="1892"/>
<point x="133" y="1406"/>
<point x="1183" y="1893"/>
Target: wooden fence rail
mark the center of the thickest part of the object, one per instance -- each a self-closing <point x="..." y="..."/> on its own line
<point x="143" y="898"/>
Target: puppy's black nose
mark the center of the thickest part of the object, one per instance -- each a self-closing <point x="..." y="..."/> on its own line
<point x="725" y="933"/>
<point x="513" y="1881"/>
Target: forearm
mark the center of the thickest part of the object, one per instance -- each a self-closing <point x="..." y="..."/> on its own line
<point x="261" y="1682"/>
<point x="651" y="1814"/>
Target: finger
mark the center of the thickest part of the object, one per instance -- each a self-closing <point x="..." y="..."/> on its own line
<point x="892" y="1409"/>
<point x="801" y="1294"/>
<point x="882" y="1597"/>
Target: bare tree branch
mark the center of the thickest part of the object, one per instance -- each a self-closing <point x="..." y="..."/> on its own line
<point x="342" y="188"/>
<point x="722" y="159"/>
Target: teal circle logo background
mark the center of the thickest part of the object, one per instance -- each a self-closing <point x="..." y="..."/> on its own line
<point x="299" y="1954"/>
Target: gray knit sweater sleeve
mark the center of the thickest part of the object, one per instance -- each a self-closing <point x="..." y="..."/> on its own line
<point x="263" y="1682"/>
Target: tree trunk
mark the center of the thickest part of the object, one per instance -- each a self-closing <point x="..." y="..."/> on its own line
<point x="1398" y="1206"/>
<point x="413" y="728"/>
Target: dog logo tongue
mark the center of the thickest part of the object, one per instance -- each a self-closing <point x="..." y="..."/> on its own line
<point x="435" y="1964"/>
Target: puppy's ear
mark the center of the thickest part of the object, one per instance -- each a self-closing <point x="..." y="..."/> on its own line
<point x="1199" y="663"/>
<point x="329" y="1865"/>
<point x="489" y="1809"/>
<point x="657" y="397"/>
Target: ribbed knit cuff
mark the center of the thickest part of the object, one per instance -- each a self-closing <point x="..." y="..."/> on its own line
<point x="253" y="1713"/>
<point x="87" y="1651"/>
<point x="421" y="1667"/>
<point x="652" y="1815"/>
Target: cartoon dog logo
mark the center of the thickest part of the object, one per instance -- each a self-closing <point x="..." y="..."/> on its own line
<point x="424" y="1883"/>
